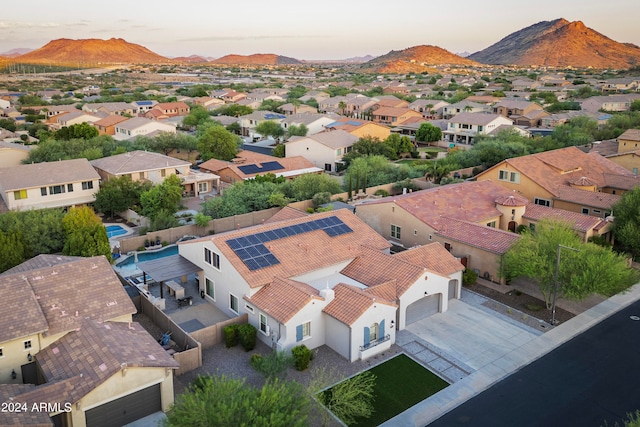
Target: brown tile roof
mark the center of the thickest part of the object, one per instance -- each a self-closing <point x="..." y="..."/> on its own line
<point x="9" y="392"/>
<point x="579" y="221"/>
<point x="42" y="260"/>
<point x="303" y="252"/>
<point x="630" y="135"/>
<point x="283" y="298"/>
<point x="285" y="214"/>
<point x="373" y="267"/>
<point x="20" y="313"/>
<point x="46" y="173"/>
<point x="433" y="257"/>
<point x="214" y="165"/>
<point x="136" y="161"/>
<point x="622" y="182"/>
<point x="394" y="112"/>
<point x="587" y="198"/>
<point x="512" y="200"/>
<point x="332" y="138"/>
<point x="97" y="351"/>
<point x="479" y="236"/>
<point x="67" y="293"/>
<point x="467" y="201"/>
<point x="350" y="303"/>
<point x="110" y="120"/>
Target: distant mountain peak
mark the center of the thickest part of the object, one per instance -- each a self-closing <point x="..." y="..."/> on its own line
<point x="560" y="43"/>
<point x="416" y="59"/>
<point x="256" y="59"/>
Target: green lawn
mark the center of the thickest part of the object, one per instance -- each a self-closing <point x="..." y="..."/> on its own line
<point x="400" y="384"/>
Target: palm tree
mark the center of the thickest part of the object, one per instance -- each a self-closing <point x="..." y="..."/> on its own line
<point x="342" y="106"/>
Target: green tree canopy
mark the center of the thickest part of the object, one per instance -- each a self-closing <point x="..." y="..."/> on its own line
<point x="586" y="270"/>
<point x="77" y="131"/>
<point x="218" y="143"/>
<point x="626" y="225"/>
<point x="163" y="197"/>
<point x="86" y="236"/>
<point x="294" y="130"/>
<point x="197" y="115"/>
<point x="221" y="401"/>
<point x="233" y="110"/>
<point x="270" y="128"/>
<point x="13" y="249"/>
<point x="119" y="194"/>
<point x="41" y="228"/>
<point x="428" y="133"/>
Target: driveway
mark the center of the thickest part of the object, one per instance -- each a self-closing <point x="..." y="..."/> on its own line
<point x="467" y="337"/>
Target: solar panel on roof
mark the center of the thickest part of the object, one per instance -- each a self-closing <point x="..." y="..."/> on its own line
<point x="353" y="123"/>
<point x="251" y="264"/>
<point x="233" y="244"/>
<point x="252" y="251"/>
<point x="331" y="232"/>
<point x="242" y="241"/>
<point x="262" y="168"/>
<point x="253" y="239"/>
<point x="272" y="259"/>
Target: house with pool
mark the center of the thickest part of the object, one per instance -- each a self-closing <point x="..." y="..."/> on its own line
<point x="323" y="279"/>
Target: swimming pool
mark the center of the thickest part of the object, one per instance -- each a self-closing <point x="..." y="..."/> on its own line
<point x="148" y="256"/>
<point x="115" y="230"/>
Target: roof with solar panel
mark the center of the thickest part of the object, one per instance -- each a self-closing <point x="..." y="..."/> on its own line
<point x="297" y="246"/>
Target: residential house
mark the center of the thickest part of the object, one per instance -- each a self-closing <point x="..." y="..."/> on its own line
<point x="116" y="108"/>
<point x="524" y="84"/>
<point x="428" y="107"/>
<point x="65" y="329"/>
<point x="141" y="107"/>
<point x="389" y="101"/>
<point x="140" y="126"/>
<point x="324" y="279"/>
<point x="313" y="121"/>
<point x="290" y="109"/>
<point x="231" y="96"/>
<point x="523" y="113"/>
<point x="249" y="122"/>
<point x="250" y="164"/>
<point x="4" y="104"/>
<point x="107" y="125"/>
<point x="262" y="96"/>
<point x="335" y="104"/>
<point x="629" y="141"/>
<point x="72" y="118"/>
<point x="155" y="168"/>
<point x="609" y="103"/>
<point x="451" y="110"/>
<point x="208" y="102"/>
<point x="164" y="110"/>
<point x="629" y="160"/>
<point x="567" y="179"/>
<point x="474" y="221"/>
<point x="391" y="116"/>
<point x="624" y="84"/>
<point x="11" y="153"/>
<point x="64" y="183"/>
<point x="360" y="128"/>
<point x="53" y="110"/>
<point x="324" y="149"/>
<point x="314" y="94"/>
<point x="464" y="127"/>
<point x="358" y="105"/>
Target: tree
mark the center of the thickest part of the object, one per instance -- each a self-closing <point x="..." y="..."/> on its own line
<point x="635" y="105"/>
<point x="294" y="130"/>
<point x="13" y="249"/>
<point x="626" y="226"/>
<point x="41" y="229"/>
<point x="86" y="236"/>
<point x="351" y="399"/>
<point x="162" y="197"/>
<point x="270" y="128"/>
<point x="119" y="194"/>
<point x="279" y="151"/>
<point x="197" y="115"/>
<point x="8" y="124"/>
<point x="584" y="271"/>
<point x="79" y="130"/>
<point x="202" y="220"/>
<point x="438" y="169"/>
<point x="218" y="143"/>
<point x="221" y="401"/>
<point x="342" y="106"/>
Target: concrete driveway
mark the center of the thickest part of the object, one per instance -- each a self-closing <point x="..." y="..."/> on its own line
<point x="464" y="339"/>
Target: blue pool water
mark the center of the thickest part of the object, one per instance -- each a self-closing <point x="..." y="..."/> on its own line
<point x="148" y="256"/>
<point x="115" y="230"/>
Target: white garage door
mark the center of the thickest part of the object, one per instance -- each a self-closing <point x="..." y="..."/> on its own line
<point x="422" y="308"/>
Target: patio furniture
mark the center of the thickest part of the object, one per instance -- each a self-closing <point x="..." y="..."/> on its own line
<point x="175" y="289"/>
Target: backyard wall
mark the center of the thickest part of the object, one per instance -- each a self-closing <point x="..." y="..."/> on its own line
<point x="212" y="335"/>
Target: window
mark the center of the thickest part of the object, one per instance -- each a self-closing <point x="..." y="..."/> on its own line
<point x="141" y="175"/>
<point x="43" y="191"/>
<point x="585" y="211"/>
<point x="27" y="345"/>
<point x="395" y="231"/>
<point x="20" y="194"/>
<point x="249" y="308"/>
<point x="87" y="185"/>
<point x="1" y="352"/>
<point x="543" y="202"/>
<point x="491" y="224"/>
<point x="415" y="232"/>
<point x="514" y="177"/>
<point x="212" y="258"/>
<point x="209" y="288"/>
<point x="596" y="211"/>
<point x="263" y="324"/>
<point x="69" y="188"/>
<point x="327" y="167"/>
<point x="339" y="152"/>
<point x="373" y="332"/>
<point x="233" y="303"/>
<point x="56" y="189"/>
<point x="430" y="237"/>
<point x="303" y="331"/>
<point x="503" y="175"/>
<point x="203" y="187"/>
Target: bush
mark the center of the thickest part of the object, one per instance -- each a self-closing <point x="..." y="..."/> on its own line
<point x="247" y="335"/>
<point x="469" y="277"/>
<point x="141" y="248"/>
<point x="256" y="361"/>
<point x="271" y="365"/>
<point x="201" y="383"/>
<point x="231" y="336"/>
<point x="301" y="357"/>
<point x="381" y="192"/>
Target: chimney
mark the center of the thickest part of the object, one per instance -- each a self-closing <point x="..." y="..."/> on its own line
<point x="327" y="294"/>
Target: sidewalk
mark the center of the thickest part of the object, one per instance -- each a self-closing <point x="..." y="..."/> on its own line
<point x="439" y="404"/>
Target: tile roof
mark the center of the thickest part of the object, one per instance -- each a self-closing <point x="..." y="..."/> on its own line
<point x="42" y="260"/>
<point x="393" y="111"/>
<point x="433" y="257"/>
<point x="137" y="161"/>
<point x="630" y="135"/>
<point x="579" y="221"/>
<point x="303" y="252"/>
<point x="481" y="119"/>
<point x="350" y="303"/>
<point x="472" y="201"/>
<point x="594" y="199"/>
<point x="556" y="168"/>
<point x="283" y="298"/>
<point x="291" y="166"/>
<point x="624" y="182"/>
<point x="67" y="293"/>
<point x="335" y="138"/>
<point x="8" y="392"/>
<point x="110" y="120"/>
<point x="286" y="213"/>
<point x="20" y="313"/>
<point x="95" y="352"/>
<point x="47" y="173"/>
<point x="479" y="236"/>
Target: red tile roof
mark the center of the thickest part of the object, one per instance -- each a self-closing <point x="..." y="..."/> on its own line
<point x="350" y="303"/>
<point x="594" y="199"/>
<point x="283" y="298"/>
<point x="579" y="221"/>
<point x="433" y="257"/>
<point x="479" y="236"/>
<point x="285" y="214"/>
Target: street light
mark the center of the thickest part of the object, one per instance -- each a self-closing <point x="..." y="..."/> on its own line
<point x="555" y="282"/>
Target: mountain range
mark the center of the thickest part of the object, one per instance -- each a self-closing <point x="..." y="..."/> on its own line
<point x="557" y="43"/>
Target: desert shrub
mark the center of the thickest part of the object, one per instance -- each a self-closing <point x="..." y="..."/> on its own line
<point x="201" y="383"/>
<point x="247" y="335"/>
<point x="469" y="277"/>
<point x="271" y="365"/>
<point x="381" y="192"/>
<point x="231" y="336"/>
<point x="255" y="361"/>
<point x="301" y="357"/>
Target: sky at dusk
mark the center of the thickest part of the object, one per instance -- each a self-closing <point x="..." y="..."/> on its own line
<point x="328" y="29"/>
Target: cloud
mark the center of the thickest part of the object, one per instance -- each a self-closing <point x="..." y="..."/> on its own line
<point x="21" y="25"/>
<point x="240" y="38"/>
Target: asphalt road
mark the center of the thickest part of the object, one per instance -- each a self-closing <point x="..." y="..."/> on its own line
<point x="589" y="381"/>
